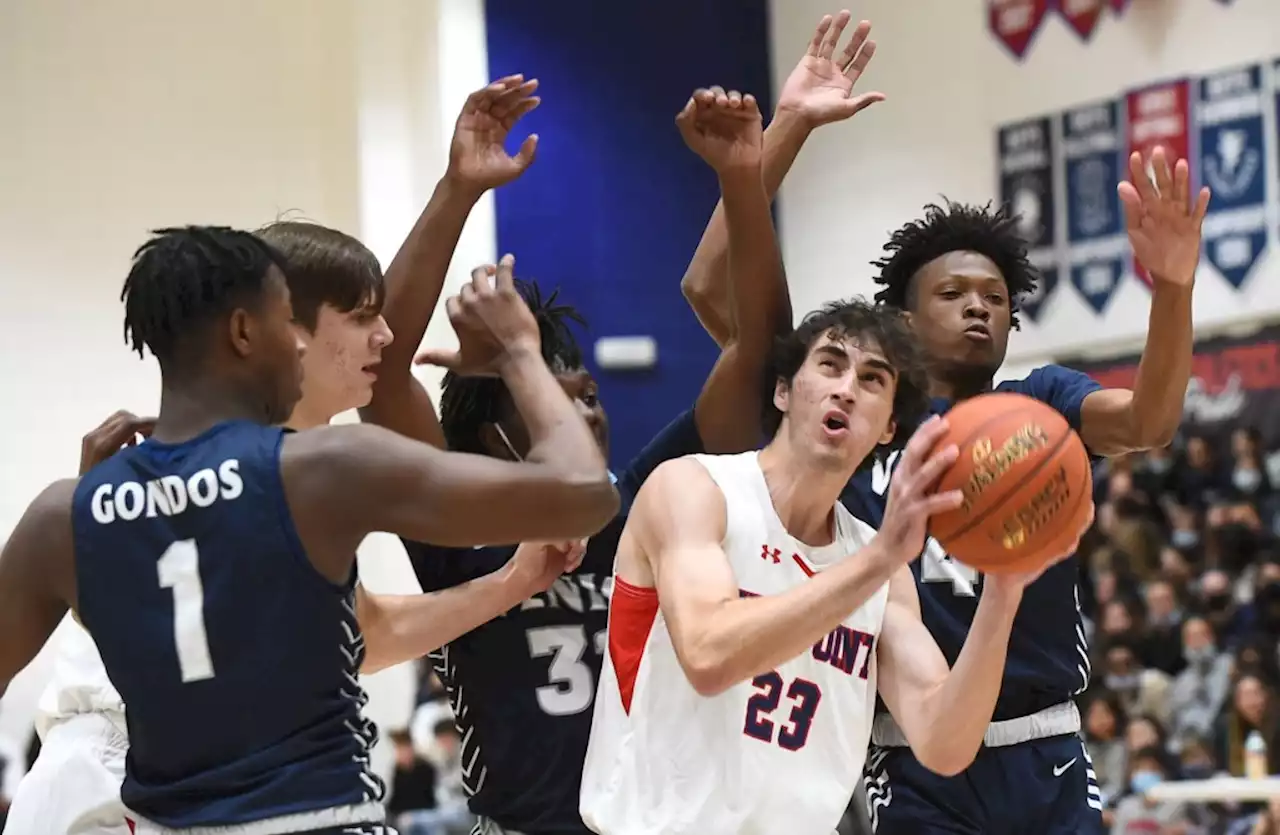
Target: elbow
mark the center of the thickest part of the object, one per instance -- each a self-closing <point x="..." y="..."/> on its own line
<point x="588" y="504"/>
<point x="375" y="629"/>
<point x="707" y="679"/>
<point x="944" y="762"/>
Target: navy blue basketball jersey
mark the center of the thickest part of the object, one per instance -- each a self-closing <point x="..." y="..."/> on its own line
<point x="236" y="659"/>
<point x="523" y="685"/>
<point x="1048" y="660"/>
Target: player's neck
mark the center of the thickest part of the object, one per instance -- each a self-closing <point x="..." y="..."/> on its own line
<point x="803" y="498"/>
<point x="308" y="416"/>
<point x="198" y="405"/>
<point x="957" y="383"/>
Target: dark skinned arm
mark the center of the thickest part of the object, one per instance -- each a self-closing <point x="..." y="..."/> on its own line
<point x="37" y="578"/>
<point x="1116" y="421"/>
<point x="706" y="282"/>
<point x="344" y="482"/>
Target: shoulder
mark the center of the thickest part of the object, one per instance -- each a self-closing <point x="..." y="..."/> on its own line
<point x="55" y="502"/>
<point x="1065" y="389"/>
<point x="679" y="492"/>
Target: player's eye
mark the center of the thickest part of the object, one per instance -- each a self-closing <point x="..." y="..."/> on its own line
<point x="995" y="298"/>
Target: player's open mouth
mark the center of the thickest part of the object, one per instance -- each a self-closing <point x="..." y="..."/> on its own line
<point x="978" y="333"/>
<point x="372" y="369"/>
<point x="835" y="423"/>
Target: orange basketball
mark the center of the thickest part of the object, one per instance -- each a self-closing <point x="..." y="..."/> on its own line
<point x="1026" y="479"/>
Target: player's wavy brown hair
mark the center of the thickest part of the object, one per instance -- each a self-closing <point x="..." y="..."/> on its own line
<point x="856" y="318"/>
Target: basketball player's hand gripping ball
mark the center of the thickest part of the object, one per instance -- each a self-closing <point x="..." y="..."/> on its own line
<point x="491" y="320"/>
<point x="912" y="495"/>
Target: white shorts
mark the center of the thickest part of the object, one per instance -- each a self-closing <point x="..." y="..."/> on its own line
<point x="73" y="788"/>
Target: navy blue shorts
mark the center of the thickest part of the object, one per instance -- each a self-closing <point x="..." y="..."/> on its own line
<point x="1043" y="787"/>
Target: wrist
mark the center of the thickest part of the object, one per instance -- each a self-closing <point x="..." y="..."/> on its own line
<point x="789" y="117"/>
<point x="518" y="356"/>
<point x="741" y="177"/>
<point x="1173" y="291"/>
<point x="453" y="186"/>
<point x="1004" y="593"/>
<point x="883" y="556"/>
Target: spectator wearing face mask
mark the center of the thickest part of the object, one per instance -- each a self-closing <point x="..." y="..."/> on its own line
<point x="1184" y="527"/>
<point x="1161" y="646"/>
<point x="1198" y="478"/>
<point x="1104" y="723"/>
<point x="1135" y="813"/>
<point x="1248" y="470"/>
<point x="1263" y="613"/>
<point x="1253" y="708"/>
<point x="1200" y="690"/>
<point x="1257" y="657"/>
<point x="1219" y="606"/>
<point x="1142" y="691"/>
<point x="1197" y="759"/>
<point x="1153" y="472"/>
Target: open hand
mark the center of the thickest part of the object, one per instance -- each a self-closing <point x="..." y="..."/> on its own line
<point x="538" y="564"/>
<point x="912" y="499"/>
<point x="820" y="88"/>
<point x="478" y="157"/>
<point x="724" y="128"/>
<point x="120" y="430"/>
<point x="491" y="320"/>
<point x="1162" y="221"/>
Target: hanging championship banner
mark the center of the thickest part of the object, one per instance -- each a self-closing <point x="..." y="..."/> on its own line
<point x="1233" y="165"/>
<point x="1016" y="22"/>
<point x="1026" y="185"/>
<point x="1235" y="381"/>
<point x="1097" y="247"/>
<point x="1160" y="115"/>
<point x="1082" y="15"/>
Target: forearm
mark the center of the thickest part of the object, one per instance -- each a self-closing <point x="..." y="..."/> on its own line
<point x="956" y="713"/>
<point x="1165" y="368"/>
<point x="399" y="628"/>
<point x="706" y="281"/>
<point x="755" y="266"/>
<point x="414" y="283"/>
<point x="745" y="637"/>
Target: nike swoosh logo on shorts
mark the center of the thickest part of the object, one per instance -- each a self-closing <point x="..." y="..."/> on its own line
<point x="1059" y="770"/>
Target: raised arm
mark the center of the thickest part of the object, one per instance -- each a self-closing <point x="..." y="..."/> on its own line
<point x="416" y="276"/>
<point x="724" y="129"/>
<point x="37" y="578"/>
<point x="818" y="91"/>
<point x="344" y="482"/>
<point x="1164" y="230"/>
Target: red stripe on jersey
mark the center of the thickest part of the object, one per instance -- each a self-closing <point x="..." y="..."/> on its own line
<point x="632" y="611"/>
<point x="804" y="566"/>
<point x="133" y="827"/>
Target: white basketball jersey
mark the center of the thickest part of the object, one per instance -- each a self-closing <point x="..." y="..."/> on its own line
<point x="781" y="753"/>
<point x="79" y="683"/>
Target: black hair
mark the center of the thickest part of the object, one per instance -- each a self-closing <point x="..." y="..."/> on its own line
<point x="467" y="403"/>
<point x="184" y="278"/>
<point x="956" y="227"/>
<point x="858" y="319"/>
<point x="326" y="267"/>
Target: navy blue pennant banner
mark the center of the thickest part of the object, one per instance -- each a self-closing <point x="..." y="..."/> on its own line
<point x="1033" y="304"/>
<point x="1025" y="154"/>
<point x="1229" y="117"/>
<point x="1093" y="145"/>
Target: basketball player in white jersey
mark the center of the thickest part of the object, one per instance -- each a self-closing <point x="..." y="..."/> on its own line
<point x="753" y="617"/>
<point x="336" y="287"/>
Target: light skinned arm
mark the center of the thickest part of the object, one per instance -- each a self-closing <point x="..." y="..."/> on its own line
<point x="819" y="91"/>
<point x="1164" y="230"/>
<point x="943" y="712"/>
<point x="720" y="638"/>
<point x="399" y="628"/>
<point x="416" y="276"/>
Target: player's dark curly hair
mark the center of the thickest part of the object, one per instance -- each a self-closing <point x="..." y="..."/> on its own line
<point x="467" y="403"/>
<point x="858" y="319"/>
<point x="186" y="277"/>
<point x="956" y="227"/>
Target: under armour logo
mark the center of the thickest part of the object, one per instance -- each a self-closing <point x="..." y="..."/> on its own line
<point x="767" y="553"/>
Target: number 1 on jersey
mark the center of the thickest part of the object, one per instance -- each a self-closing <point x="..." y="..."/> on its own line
<point x="179" y="569"/>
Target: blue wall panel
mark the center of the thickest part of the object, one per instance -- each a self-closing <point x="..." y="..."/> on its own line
<point x="615" y="204"/>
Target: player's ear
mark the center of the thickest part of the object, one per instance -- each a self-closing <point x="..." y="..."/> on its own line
<point x="242" y="329"/>
<point x="889" y="431"/>
<point x="781" y="395"/>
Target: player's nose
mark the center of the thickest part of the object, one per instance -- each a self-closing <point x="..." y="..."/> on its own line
<point x="975" y="307"/>
<point x="299" y="342"/>
<point x="382" y="334"/>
